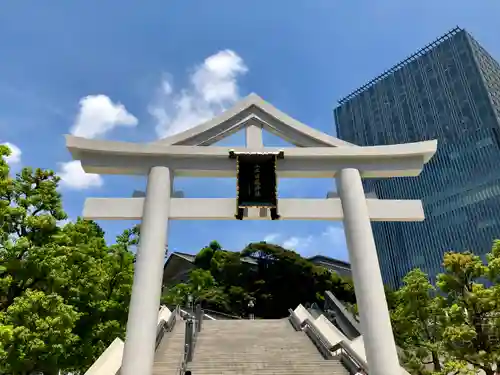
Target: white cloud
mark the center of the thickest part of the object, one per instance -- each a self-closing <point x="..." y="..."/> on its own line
<point x="335" y="235"/>
<point x="299" y="244"/>
<point x="74" y="177"/>
<point x="272" y="237"/>
<point x="15" y="156"/>
<point x="99" y="115"/>
<point x="212" y="87"/>
<point x="330" y="242"/>
<point x="296" y="243"/>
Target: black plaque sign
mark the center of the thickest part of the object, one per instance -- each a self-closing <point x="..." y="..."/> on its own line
<point x="256" y="183"/>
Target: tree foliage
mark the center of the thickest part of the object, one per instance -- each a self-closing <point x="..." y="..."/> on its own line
<point x="418" y="322"/>
<point x="63" y="292"/>
<point x="455" y="326"/>
<point x="271" y="276"/>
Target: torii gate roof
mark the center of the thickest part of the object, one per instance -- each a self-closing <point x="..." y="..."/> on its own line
<point x="263" y="113"/>
<point x="190" y="153"/>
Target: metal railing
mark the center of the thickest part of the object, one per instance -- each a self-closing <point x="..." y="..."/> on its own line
<point x="221" y="315"/>
<point x="319" y="340"/>
<point x="193" y="328"/>
<point x="210" y="314"/>
<point x="342" y="350"/>
<point x="349" y="358"/>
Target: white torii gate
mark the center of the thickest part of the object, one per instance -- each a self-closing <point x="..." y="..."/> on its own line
<point x="318" y="155"/>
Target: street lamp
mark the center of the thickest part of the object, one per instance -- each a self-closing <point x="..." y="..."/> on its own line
<point x="190" y="301"/>
<point x="251" y="305"/>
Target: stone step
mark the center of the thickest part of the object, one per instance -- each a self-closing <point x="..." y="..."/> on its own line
<point x="284" y="370"/>
<point x="249" y="351"/>
<point x="272" y="333"/>
<point x="266" y="346"/>
<point x="242" y="347"/>
<point x="253" y="353"/>
<point x="217" y="353"/>
<point x="169" y="354"/>
<point x="263" y="359"/>
<point x="260" y="364"/>
<point x="267" y="372"/>
<point x="306" y="369"/>
<point x="247" y="347"/>
<point x="244" y="340"/>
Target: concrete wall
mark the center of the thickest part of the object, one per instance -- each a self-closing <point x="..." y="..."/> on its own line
<point x="110" y="361"/>
<point x="359" y="346"/>
<point x="331" y="333"/>
<point x="164" y="314"/>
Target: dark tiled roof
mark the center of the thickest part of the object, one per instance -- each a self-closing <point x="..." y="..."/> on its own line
<point x="332" y="261"/>
<point x="188" y="257"/>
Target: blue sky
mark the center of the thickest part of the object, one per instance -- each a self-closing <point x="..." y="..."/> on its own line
<point x="133" y="71"/>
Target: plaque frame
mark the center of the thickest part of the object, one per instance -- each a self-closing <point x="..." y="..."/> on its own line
<point x="240" y="209"/>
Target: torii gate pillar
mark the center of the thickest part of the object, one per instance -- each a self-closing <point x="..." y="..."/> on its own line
<point x="142" y="321"/>
<point x="380" y="349"/>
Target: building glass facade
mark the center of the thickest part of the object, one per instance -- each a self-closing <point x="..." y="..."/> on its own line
<point x="449" y="91"/>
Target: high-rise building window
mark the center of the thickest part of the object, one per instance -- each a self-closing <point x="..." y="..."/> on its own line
<point x="449" y="91"/>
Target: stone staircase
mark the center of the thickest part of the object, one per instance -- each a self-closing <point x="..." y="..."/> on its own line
<point x="264" y="347"/>
<point x="169" y="354"/>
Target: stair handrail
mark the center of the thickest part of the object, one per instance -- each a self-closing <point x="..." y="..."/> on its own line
<point x="317" y="338"/>
<point x="353" y="358"/>
<point x="214" y="312"/>
<point x="193" y="327"/>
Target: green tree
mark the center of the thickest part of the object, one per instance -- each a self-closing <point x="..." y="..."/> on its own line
<point x="473" y="327"/>
<point x="282" y="278"/>
<point x="457" y="325"/>
<point x="29" y="210"/>
<point x="41" y="333"/>
<point x="418" y="323"/>
<point x="202" y="287"/>
<point x="177" y="294"/>
<point x="97" y="281"/>
<point x="200" y="280"/>
<point x="63" y="292"/>
<point x="204" y="257"/>
<point x="271" y="276"/>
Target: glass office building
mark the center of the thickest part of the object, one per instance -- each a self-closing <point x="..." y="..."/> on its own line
<point x="450" y="91"/>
